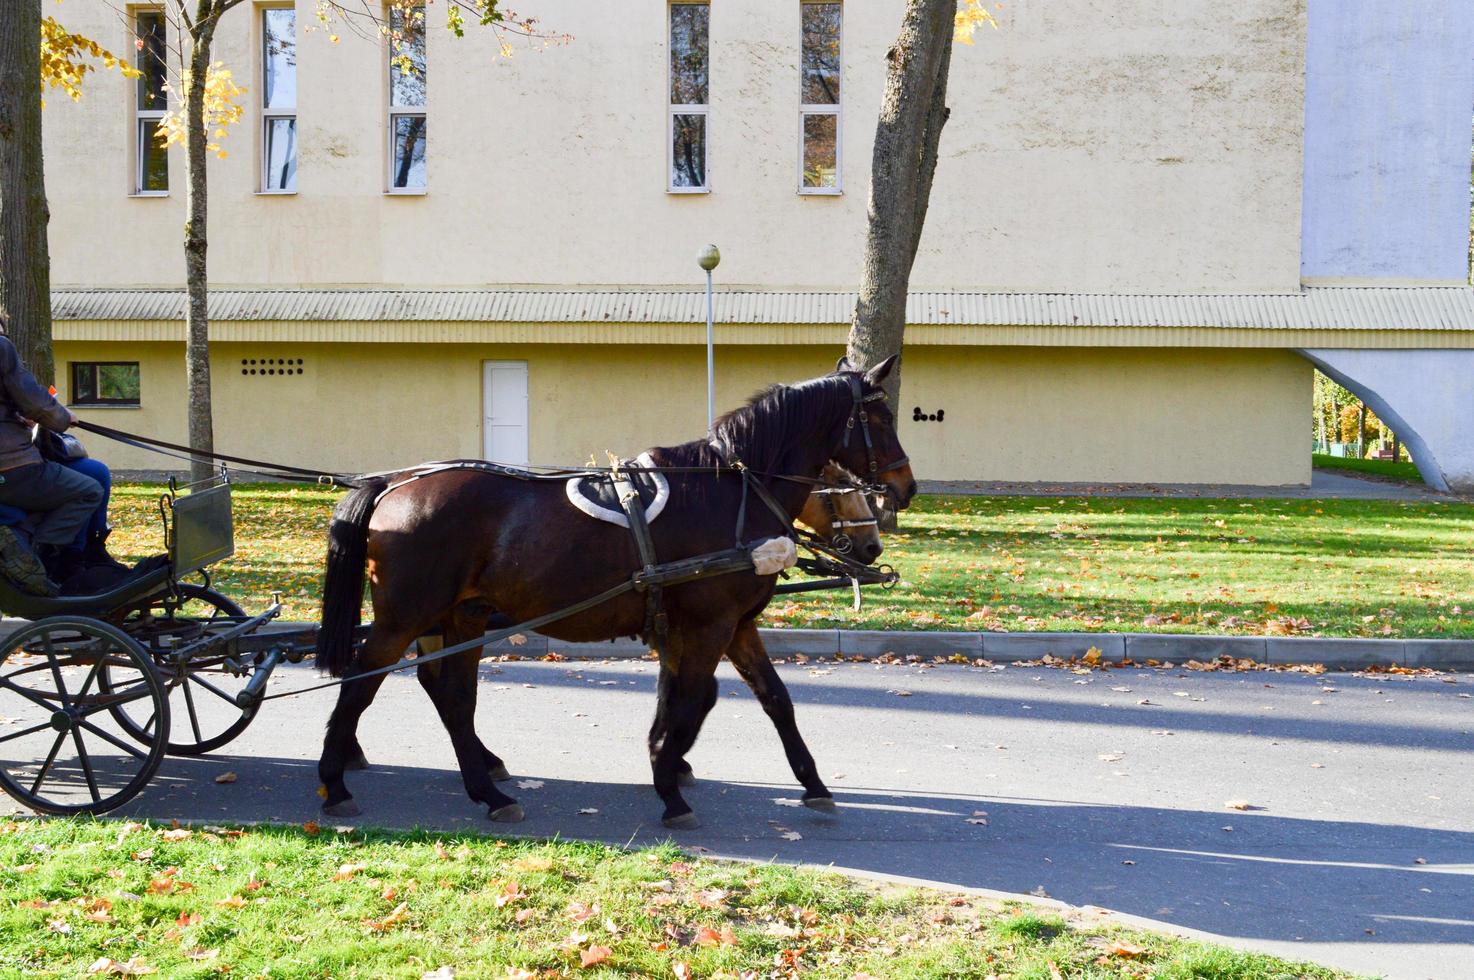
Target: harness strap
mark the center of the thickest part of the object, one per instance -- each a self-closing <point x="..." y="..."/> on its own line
<point x="657" y="624"/>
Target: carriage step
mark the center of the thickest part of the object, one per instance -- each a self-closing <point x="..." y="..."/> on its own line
<point x="256" y="686"/>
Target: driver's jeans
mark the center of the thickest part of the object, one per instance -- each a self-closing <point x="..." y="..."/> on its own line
<point x="65" y="500"/>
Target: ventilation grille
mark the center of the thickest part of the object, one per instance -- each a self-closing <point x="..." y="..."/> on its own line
<point x="271" y="367"/>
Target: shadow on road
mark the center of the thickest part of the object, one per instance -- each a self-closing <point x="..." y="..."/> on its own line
<point x="1268" y="878"/>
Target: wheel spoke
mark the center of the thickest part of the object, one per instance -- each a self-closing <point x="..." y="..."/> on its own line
<point x="46" y="766"/>
<point x="61" y="687"/>
<point x="194" y="719"/>
<point x="118" y="743"/>
<point x="116" y="698"/>
<point x="86" y="762"/>
<point x="31" y="695"/>
<point x="29" y="731"/>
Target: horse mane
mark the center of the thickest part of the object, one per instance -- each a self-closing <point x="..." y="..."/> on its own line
<point x="761" y="431"/>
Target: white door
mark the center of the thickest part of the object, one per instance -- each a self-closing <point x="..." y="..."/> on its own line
<point x="504" y="411"/>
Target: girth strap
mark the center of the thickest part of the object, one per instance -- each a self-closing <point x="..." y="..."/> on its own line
<point x="657" y="624"/>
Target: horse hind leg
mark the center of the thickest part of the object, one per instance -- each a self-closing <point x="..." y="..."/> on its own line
<point x="427" y="675"/>
<point x="453" y="691"/>
<point x="340" y="748"/>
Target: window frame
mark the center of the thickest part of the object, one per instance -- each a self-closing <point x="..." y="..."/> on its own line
<point x="835" y="109"/>
<point x="673" y="109"/>
<point x="99" y="402"/>
<point x="395" y="112"/>
<point x="271" y="114"/>
<point x="142" y="116"/>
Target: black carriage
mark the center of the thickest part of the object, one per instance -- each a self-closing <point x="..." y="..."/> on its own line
<point x="95" y="690"/>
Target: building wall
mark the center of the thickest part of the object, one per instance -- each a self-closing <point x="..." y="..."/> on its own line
<point x="1010" y="413"/>
<point x="1389" y="98"/>
<point x="1131" y="146"/>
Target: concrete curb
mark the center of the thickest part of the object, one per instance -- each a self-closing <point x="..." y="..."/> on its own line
<point x="1335" y="653"/>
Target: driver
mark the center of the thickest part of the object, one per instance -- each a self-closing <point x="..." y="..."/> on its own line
<point x="64" y="499"/>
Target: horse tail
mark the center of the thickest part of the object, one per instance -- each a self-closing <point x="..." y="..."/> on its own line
<point x="342" y="590"/>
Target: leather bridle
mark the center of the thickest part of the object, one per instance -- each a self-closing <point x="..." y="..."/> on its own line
<point x="839" y="540"/>
<point x="858" y="414"/>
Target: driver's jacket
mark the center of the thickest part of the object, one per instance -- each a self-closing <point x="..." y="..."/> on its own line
<point x="22" y="397"/>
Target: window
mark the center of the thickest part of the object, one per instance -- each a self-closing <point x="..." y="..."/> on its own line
<point x="819" y="106"/>
<point x="406" y="98"/>
<point x="279" y="100"/>
<point x="151" y="170"/>
<point x="689" y="24"/>
<point x="105" y="383"/>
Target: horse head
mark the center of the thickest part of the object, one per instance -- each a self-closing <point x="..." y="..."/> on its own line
<point x="841" y="516"/>
<point x="869" y="446"/>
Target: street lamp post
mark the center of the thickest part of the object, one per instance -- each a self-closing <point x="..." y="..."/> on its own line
<point x="708" y="258"/>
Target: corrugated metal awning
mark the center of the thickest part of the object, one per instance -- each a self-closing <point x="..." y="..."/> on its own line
<point x="1314" y="307"/>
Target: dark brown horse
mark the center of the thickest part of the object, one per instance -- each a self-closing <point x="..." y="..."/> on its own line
<point x="445" y="550"/>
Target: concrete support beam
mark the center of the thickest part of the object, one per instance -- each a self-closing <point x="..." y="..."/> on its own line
<point x="1426" y="396"/>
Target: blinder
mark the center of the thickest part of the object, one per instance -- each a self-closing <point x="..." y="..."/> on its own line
<point x="858" y="414"/>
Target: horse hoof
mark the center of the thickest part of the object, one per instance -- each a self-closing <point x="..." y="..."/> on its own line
<point x="511" y="813"/>
<point x="357" y="763"/>
<point x="343" y="808"/>
<point x="823" y="803"/>
<point x="499" y="773"/>
<point x="686" y="778"/>
<point x="686" y="821"/>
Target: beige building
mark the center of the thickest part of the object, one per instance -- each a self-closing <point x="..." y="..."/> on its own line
<point x="496" y="255"/>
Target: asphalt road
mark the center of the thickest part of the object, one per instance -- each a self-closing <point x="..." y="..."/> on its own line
<point x="1105" y="789"/>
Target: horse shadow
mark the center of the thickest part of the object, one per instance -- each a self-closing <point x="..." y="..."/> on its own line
<point x="1271" y="878"/>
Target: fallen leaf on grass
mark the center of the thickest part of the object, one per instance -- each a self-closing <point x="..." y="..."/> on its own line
<point x="59" y="925"/>
<point x="178" y="833"/>
<point x="225" y="777"/>
<point x="681" y="970"/>
<point x="1054" y="973"/>
<point x="523" y="915"/>
<point x="201" y="954"/>
<point x="533" y="862"/>
<point x="707" y="936"/>
<point x="134" y="967"/>
<point x="347" y="871"/>
<point x="190" y="918"/>
<point x="511" y="893"/>
<point x="233" y="902"/>
<point x="711" y="898"/>
<point x="517" y="973"/>
<point x="99" y="915"/>
<point x="400" y="913"/>
<point x="579" y="912"/>
<point x="593" y="956"/>
<point x="311" y="828"/>
<point x="1125" y="950"/>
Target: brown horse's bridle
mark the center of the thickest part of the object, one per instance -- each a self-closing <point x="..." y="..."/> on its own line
<point x="839" y="540"/>
<point x="858" y="414"/>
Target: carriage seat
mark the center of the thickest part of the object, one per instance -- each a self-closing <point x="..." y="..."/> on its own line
<point x="22" y="605"/>
<point x="595" y="495"/>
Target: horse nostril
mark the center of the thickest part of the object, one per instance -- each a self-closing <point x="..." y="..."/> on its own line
<point x="872" y="551"/>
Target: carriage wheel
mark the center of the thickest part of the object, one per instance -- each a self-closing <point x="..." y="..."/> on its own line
<point x="61" y="748"/>
<point x="201" y="692"/>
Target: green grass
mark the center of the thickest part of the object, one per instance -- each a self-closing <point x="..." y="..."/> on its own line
<point x="1332" y="567"/>
<point x="1402" y="472"/>
<point x="310" y="902"/>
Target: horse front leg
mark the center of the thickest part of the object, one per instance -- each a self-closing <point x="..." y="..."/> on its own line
<point x="684" y="775"/>
<point x="340" y="748"/>
<point x="684" y="696"/>
<point x="749" y="656"/>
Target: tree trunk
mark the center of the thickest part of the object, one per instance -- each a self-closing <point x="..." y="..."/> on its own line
<point x="197" y="314"/>
<point x="25" y="268"/>
<point x="913" y="110"/>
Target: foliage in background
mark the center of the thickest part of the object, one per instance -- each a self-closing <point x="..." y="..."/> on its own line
<point x="116" y="898"/>
<point x="1403" y="472"/>
<point x="66" y="59"/>
<point x="1275" y="567"/>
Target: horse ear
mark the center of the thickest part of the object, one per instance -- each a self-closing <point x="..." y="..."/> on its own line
<point x="881" y="371"/>
<point x="843" y="364"/>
